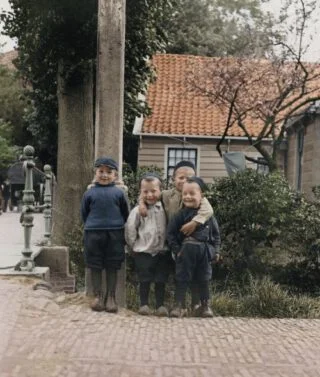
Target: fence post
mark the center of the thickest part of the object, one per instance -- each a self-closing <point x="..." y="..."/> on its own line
<point x="26" y="263"/>
<point x="47" y="200"/>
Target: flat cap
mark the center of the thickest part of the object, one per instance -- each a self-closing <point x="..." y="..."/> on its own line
<point x="106" y="161"/>
<point x="184" y="164"/>
<point x="199" y="181"/>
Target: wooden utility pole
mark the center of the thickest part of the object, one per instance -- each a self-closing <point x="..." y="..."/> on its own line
<point x="110" y="79"/>
<point x="110" y="91"/>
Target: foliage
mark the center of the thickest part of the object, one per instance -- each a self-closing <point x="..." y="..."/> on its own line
<point x="74" y="241"/>
<point x="258" y="97"/>
<point x="219" y="28"/>
<point x="7" y="153"/>
<point x="264" y="298"/>
<point x="54" y="30"/>
<point x="252" y="210"/>
<point x="13" y="106"/>
<point x="267" y="228"/>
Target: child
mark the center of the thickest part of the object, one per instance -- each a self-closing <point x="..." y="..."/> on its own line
<point x="193" y="254"/>
<point x="172" y="202"/>
<point x="104" y="211"/>
<point x="145" y="236"/>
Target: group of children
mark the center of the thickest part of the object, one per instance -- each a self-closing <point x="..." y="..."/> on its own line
<point x="167" y="227"/>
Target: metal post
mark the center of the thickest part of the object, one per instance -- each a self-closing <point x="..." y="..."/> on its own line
<point x="47" y="204"/>
<point x="26" y="263"/>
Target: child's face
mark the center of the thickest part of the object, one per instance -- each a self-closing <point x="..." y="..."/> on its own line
<point x="181" y="176"/>
<point x="191" y="195"/>
<point x="105" y="175"/>
<point x="150" y="191"/>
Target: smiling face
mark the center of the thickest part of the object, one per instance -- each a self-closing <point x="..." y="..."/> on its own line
<point x="191" y="195"/>
<point x="105" y="175"/>
<point x="181" y="175"/>
<point x="150" y="190"/>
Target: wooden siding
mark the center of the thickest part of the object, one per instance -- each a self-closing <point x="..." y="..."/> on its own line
<point x="310" y="159"/>
<point x="153" y="150"/>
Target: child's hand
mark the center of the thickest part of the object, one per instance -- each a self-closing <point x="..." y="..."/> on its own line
<point x="217" y="258"/>
<point x="143" y="210"/>
<point x="188" y="228"/>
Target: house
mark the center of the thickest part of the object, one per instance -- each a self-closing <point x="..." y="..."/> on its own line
<point x="303" y="150"/>
<point x="187" y="126"/>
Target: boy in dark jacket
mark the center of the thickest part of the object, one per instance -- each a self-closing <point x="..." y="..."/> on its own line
<point x="104" y="211"/>
<point x="193" y="254"/>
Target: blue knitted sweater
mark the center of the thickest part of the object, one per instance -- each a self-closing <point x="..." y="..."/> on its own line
<point x="104" y="207"/>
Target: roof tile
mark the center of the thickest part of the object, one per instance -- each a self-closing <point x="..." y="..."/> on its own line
<point x="177" y="111"/>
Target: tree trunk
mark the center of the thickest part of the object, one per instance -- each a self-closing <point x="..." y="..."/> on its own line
<point x="75" y="153"/>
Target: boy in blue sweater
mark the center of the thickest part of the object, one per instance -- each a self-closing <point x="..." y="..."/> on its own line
<point x="104" y="211"/>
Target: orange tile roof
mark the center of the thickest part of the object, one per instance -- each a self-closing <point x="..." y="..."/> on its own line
<point x="177" y="111"/>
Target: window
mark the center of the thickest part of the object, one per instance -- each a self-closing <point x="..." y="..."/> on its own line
<point x="176" y="155"/>
<point x="262" y="168"/>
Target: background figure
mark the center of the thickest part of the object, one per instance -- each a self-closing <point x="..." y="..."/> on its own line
<point x="5" y="194"/>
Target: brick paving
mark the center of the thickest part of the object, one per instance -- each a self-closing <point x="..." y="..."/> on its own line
<point x="40" y="338"/>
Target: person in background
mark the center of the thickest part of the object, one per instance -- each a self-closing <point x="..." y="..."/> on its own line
<point x="5" y="194"/>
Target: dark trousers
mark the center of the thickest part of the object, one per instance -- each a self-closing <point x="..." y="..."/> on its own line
<point x="152" y="269"/>
<point x="193" y="268"/>
<point x="104" y="249"/>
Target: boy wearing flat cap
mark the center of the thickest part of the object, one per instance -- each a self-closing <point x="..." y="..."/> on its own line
<point x="104" y="211"/>
<point x="194" y="253"/>
<point x="145" y="237"/>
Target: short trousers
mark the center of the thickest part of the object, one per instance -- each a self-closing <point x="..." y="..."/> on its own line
<point x="104" y="249"/>
<point x="152" y="268"/>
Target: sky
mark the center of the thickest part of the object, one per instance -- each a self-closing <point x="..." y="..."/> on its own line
<point x="313" y="53"/>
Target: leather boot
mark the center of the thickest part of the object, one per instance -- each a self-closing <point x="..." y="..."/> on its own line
<point x="98" y="302"/>
<point x="111" y="305"/>
<point x="205" y="310"/>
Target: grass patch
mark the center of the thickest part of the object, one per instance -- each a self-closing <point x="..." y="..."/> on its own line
<point x="264" y="298"/>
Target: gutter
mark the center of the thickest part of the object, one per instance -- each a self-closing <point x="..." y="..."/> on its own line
<point x="139" y="122"/>
<point x="198" y="136"/>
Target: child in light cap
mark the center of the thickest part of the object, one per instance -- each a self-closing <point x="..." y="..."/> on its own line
<point x="146" y="236"/>
<point x="193" y="253"/>
<point x="104" y="211"/>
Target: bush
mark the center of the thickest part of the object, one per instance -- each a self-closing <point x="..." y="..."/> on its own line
<point x="266" y="227"/>
<point x="264" y="298"/>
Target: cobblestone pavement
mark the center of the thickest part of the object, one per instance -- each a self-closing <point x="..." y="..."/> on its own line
<point x="46" y="336"/>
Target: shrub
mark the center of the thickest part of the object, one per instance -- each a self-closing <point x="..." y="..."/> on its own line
<point x="264" y="298"/>
<point x="251" y="209"/>
<point x="266" y="227"/>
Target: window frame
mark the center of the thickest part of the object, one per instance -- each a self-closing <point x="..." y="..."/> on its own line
<point x="168" y="147"/>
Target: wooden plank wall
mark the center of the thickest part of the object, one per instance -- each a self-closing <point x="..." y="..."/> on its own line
<point x="152" y="151"/>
